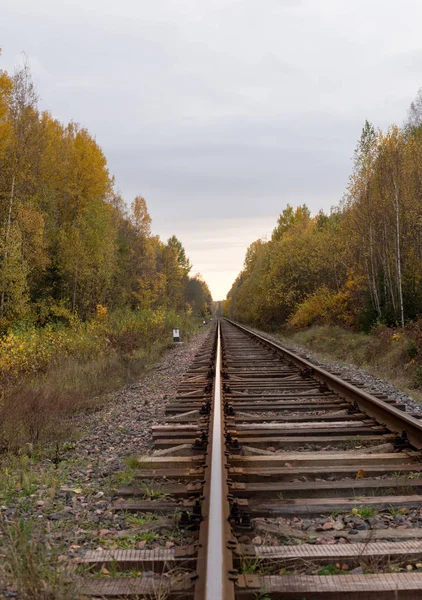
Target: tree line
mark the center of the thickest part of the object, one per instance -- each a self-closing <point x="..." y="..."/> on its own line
<point x="356" y="266"/>
<point x="68" y="241"/>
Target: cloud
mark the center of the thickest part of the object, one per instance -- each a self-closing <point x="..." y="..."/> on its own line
<point x="229" y="108"/>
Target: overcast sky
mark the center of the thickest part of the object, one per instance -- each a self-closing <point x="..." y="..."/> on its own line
<point x="220" y="112"/>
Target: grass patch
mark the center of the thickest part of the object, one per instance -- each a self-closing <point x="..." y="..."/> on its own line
<point x="330" y="570"/>
<point x="49" y="375"/>
<point x="132" y="462"/>
<point x="139" y="520"/>
<point x="36" y="573"/>
<point x="250" y="565"/>
<point x="155" y="492"/>
<point x="364" y="512"/>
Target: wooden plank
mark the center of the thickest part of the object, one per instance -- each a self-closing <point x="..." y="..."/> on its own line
<point x="155" y="506"/>
<point x="325" y="459"/>
<point x="294" y="429"/>
<point x="290" y="430"/>
<point x="137" y="587"/>
<point x="186" y="474"/>
<point x="251" y="474"/>
<point x="353" y="554"/>
<point x="290" y="426"/>
<point x="176" y="490"/>
<point x="291" y="441"/>
<point x="302" y="507"/>
<point x="323" y="417"/>
<point x="327" y="489"/>
<point x="288" y="408"/>
<point x="158" y="559"/>
<point x="386" y="586"/>
<point x="322" y="440"/>
<point x="288" y="533"/>
<point x="197" y="460"/>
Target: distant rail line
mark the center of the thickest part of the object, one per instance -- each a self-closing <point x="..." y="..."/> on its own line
<point x="290" y="482"/>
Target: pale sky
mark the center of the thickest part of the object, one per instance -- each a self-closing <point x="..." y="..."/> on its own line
<point x="220" y="112"/>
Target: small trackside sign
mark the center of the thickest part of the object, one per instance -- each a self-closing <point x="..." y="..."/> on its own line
<point x="176" y="336"/>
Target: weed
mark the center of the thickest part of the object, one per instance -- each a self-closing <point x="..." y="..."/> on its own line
<point x="68" y="446"/>
<point x="397" y="511"/>
<point x="132" y="462"/>
<point x="126" y="543"/>
<point x="120" y="478"/>
<point x="152" y="492"/>
<point x="365" y="512"/>
<point x="250" y="564"/>
<point x="36" y="574"/>
<point x="139" y="520"/>
<point x="329" y="570"/>
<point x="262" y="595"/>
<point x="417" y="377"/>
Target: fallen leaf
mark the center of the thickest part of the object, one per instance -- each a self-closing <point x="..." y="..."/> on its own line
<point x="360" y="474"/>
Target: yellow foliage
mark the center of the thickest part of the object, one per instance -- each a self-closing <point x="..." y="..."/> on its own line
<point x="101" y="311"/>
<point x="35" y="350"/>
<point x="323" y="307"/>
<point x="396" y="337"/>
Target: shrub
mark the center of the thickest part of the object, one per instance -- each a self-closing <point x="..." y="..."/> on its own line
<point x="323" y="307"/>
<point x="412" y="349"/>
<point x="417" y="377"/>
<point x="50" y="373"/>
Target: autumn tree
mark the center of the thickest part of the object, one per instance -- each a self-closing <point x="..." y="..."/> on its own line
<point x="68" y="241"/>
<point x="356" y="266"/>
<point x="198" y="296"/>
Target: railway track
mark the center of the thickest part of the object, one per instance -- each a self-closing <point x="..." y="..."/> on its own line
<point x="283" y="480"/>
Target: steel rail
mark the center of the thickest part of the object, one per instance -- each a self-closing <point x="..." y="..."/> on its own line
<point x="396" y="420"/>
<point x="215" y="562"/>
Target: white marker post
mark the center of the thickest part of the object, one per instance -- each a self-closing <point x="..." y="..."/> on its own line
<point x="176" y="336"/>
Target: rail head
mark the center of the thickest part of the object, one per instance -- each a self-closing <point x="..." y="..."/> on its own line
<point x="215" y="560"/>
<point x="395" y="419"/>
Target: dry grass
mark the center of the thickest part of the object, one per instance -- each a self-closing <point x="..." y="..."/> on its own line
<point x="39" y="410"/>
<point x="34" y="572"/>
<point x="58" y="373"/>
